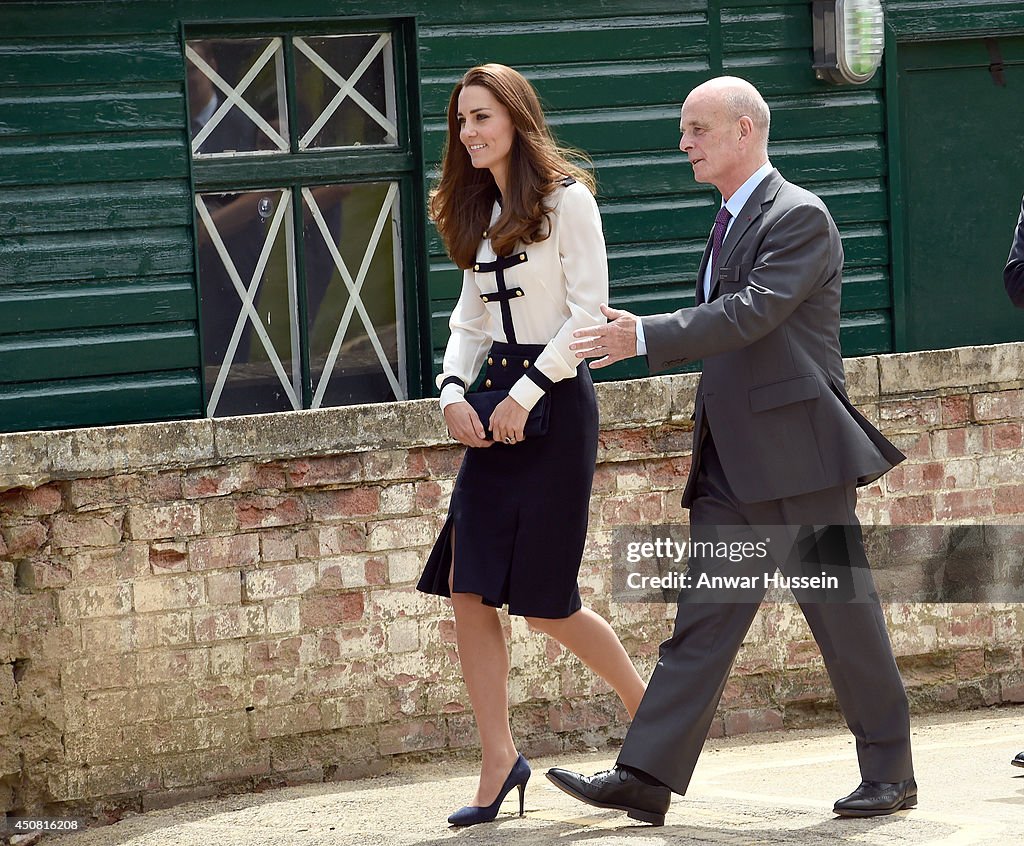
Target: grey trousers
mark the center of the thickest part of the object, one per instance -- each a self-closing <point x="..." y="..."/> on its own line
<point x="669" y="730"/>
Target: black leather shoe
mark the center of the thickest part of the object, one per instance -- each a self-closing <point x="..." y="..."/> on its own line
<point x="878" y="798"/>
<point x="617" y="789"/>
<point x="1019" y="760"/>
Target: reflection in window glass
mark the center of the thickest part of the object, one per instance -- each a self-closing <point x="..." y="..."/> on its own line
<point x="353" y="296"/>
<point x="236" y="96"/>
<point x="246" y="255"/>
<point x="345" y="91"/>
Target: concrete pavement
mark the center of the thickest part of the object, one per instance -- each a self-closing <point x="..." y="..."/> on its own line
<point x="775" y="788"/>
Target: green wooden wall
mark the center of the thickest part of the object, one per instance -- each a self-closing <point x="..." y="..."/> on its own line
<point x="97" y="278"/>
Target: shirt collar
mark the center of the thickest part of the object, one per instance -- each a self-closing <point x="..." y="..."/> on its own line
<point x="738" y="200"/>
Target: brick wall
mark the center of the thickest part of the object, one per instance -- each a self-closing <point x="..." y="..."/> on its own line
<point x="203" y="606"/>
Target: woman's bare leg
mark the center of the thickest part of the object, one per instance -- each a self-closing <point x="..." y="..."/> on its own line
<point x="588" y="636"/>
<point x="483" y="655"/>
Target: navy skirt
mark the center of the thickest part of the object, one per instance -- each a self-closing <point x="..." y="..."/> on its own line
<point x="519" y="512"/>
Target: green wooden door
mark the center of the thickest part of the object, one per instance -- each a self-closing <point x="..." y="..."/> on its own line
<point x="963" y="154"/>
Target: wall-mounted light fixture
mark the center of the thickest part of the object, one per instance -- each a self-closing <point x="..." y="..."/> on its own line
<point x="848" y="39"/>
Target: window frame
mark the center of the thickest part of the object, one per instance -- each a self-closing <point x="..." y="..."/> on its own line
<point x="298" y="168"/>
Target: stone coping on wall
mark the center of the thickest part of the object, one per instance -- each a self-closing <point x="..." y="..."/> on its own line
<point x="29" y="459"/>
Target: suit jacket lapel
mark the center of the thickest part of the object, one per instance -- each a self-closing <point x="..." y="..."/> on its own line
<point x="699" y="296"/>
<point x="762" y="197"/>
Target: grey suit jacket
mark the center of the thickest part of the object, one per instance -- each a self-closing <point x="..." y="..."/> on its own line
<point x="773" y="389"/>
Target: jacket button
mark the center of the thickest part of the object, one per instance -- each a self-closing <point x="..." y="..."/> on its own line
<point x="504" y="362"/>
<point x="485" y="299"/>
<point x="485" y="233"/>
<point x="526" y="362"/>
<point x="522" y="256"/>
<point x="490" y="360"/>
<point x="476" y="267"/>
<point x="519" y="292"/>
<point x="487" y="384"/>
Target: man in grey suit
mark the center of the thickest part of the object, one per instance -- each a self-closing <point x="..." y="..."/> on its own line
<point x="776" y="443"/>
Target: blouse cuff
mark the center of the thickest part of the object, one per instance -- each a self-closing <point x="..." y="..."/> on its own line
<point x="452" y="393"/>
<point x="526" y="392"/>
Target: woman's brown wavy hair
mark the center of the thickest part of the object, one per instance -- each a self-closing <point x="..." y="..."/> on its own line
<point x="461" y="201"/>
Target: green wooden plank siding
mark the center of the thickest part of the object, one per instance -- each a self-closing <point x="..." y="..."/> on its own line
<point x="97" y="278"/>
<point x="97" y="297"/>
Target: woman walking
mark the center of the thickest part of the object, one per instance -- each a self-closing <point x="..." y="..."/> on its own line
<point x="522" y="222"/>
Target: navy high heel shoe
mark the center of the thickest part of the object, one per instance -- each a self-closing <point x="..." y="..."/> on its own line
<point x="473" y="814"/>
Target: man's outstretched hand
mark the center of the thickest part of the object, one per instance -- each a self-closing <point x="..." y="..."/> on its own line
<point x="612" y="342"/>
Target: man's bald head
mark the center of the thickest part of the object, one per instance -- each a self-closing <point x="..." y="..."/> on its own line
<point x="740" y="99"/>
<point x="724" y="127"/>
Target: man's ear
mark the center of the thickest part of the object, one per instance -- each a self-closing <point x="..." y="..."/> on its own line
<point x="746" y="128"/>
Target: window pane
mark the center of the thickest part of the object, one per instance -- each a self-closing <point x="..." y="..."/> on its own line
<point x="346" y="91"/>
<point x="353" y="291"/>
<point x="246" y="253"/>
<point x="236" y="95"/>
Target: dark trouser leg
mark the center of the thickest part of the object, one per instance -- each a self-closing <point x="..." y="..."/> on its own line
<point x="671" y="725"/>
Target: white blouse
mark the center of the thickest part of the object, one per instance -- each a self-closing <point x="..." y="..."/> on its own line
<point x="564" y="281"/>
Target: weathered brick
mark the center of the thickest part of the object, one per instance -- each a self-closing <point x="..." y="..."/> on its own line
<point x="109" y="601"/>
<point x="337" y="540"/>
<point x="168" y="557"/>
<point x="955" y="410"/>
<point x="78" y="531"/>
<point x="331" y="609"/>
<point x="96" y="672"/>
<point x="223" y="552"/>
<point x="219" y="516"/>
<point x="24" y="539"/>
<point x="224" y="588"/>
<point x="281" y="655"/>
<point x="168" y="593"/>
<point x="343" y="504"/>
<point x="283" y="615"/>
<point x="228" y="623"/>
<point x="964" y="505"/>
<point x="394" y="464"/>
<point x="405" y="565"/>
<point x="403" y="636"/>
<point x="278" y="581"/>
<point x="224" y="479"/>
<point x="1000" y="436"/>
<point x="400" y="533"/>
<point x="1008" y="499"/>
<point x="1005" y="405"/>
<point x="911" y="510"/>
<point x="170" y="628"/>
<point x="430" y="496"/>
<point x="398" y="499"/>
<point x="42" y="574"/>
<point x="166" y="666"/>
<point x="227" y="659"/>
<point x="352" y="571"/>
<point x="754" y="720"/>
<point x="257" y="512"/>
<point x="277" y="545"/>
<point x="285" y="720"/>
<point x="328" y="470"/>
<point x="31" y="502"/>
<point x="179" y="519"/>
<point x="417" y="736"/>
<point x="168" y="737"/>
<point x="119" y="634"/>
<point x="908" y="415"/>
<point x="1000" y="469"/>
<point x="636" y="509"/>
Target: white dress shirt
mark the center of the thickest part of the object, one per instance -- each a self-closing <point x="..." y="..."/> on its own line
<point x="735" y="205"/>
<point x="564" y="282"/>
